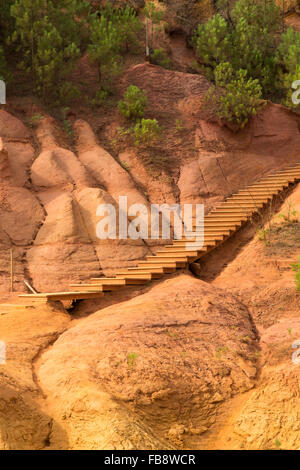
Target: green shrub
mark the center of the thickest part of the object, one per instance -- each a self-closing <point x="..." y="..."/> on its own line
<point x="212" y="42"/>
<point x="35" y="119"/>
<point x="296" y="268"/>
<point x="239" y="96"/>
<point x="105" y="47"/>
<point x="126" y="22"/>
<point x="246" y="37"/>
<point x="159" y="57"/>
<point x="288" y="60"/>
<point x="116" y="28"/>
<point x="134" y="103"/>
<point x="48" y="37"/>
<point x="6" y="20"/>
<point x="132" y="358"/>
<point x="100" y="97"/>
<point x="146" y="132"/>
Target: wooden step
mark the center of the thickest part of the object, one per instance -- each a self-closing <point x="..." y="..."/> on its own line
<point x="59" y="296"/>
<point x="178" y="252"/>
<point x="279" y="186"/>
<point x="249" y="198"/>
<point x="236" y="209"/>
<point x="190" y="245"/>
<point x="278" y="179"/>
<point x="243" y="207"/>
<point x="244" y="204"/>
<point x="293" y="170"/>
<point x="206" y="239"/>
<point x="124" y="280"/>
<point x="274" y="176"/>
<point x="156" y="270"/>
<point x="106" y="281"/>
<point x="168" y="257"/>
<point x="139" y="278"/>
<point x="142" y="271"/>
<point x="224" y="219"/>
<point x="211" y="231"/>
<point x="217" y="232"/>
<point x="257" y="192"/>
<point x="269" y="183"/>
<point x="261" y="194"/>
<point x="258" y="208"/>
<point x="242" y="198"/>
<point x="178" y="259"/>
<point x="221" y="224"/>
<point x="230" y="212"/>
<point x="162" y="262"/>
<point x="289" y="174"/>
<point x="218" y="237"/>
<point x="94" y="287"/>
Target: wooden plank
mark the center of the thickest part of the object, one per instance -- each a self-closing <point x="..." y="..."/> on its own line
<point x="143" y="272"/>
<point x="107" y="281"/>
<point x="98" y="287"/>
<point x="64" y="295"/>
<point x="129" y="276"/>
<point x="258" y="192"/>
<point x="164" y="262"/>
<point x="231" y="214"/>
<point x="178" y="252"/>
<point x="246" y="198"/>
<point x="158" y="270"/>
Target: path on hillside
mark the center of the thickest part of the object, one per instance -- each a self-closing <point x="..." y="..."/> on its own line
<point x="219" y="225"/>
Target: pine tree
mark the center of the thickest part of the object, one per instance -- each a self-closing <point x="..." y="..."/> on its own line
<point x="116" y="28"/>
<point x="3" y="66"/>
<point x="155" y="16"/>
<point x="47" y="34"/>
<point x="134" y="103"/>
<point x="288" y="61"/>
<point x="237" y="97"/>
<point x="246" y="37"/>
<point x="6" y="20"/>
<point x="105" y="46"/>
<point x="213" y="43"/>
<point x="126" y="22"/>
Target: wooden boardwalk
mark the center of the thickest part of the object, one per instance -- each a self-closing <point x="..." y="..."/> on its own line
<point x="219" y="225"/>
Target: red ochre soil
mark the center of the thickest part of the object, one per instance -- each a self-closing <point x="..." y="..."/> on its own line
<point x="183" y="363"/>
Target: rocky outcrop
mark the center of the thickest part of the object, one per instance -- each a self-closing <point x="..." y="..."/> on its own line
<point x="24" y="423"/>
<point x="106" y="170"/>
<point x="17" y="144"/>
<point x="165" y="359"/>
<point x="158" y="185"/>
<point x="212" y="160"/>
<point x="196" y="160"/>
<point x="62" y="251"/>
<point x="112" y="254"/>
<point x="66" y="248"/>
<point x="3" y="159"/>
<point x="56" y="166"/>
<point x="264" y="280"/>
<point x="20" y="211"/>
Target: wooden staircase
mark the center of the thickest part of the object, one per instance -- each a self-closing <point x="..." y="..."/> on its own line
<point x="219" y="225"/>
